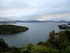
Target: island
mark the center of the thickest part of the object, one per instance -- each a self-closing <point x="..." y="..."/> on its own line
<point x="64" y="26"/>
<point x="11" y="29"/>
<point x="68" y="23"/>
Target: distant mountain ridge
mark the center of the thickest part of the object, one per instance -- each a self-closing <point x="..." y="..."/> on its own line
<point x="16" y="21"/>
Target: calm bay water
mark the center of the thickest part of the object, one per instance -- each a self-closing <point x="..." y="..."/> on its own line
<point x="37" y="32"/>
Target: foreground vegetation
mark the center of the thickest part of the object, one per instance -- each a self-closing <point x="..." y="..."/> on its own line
<point x="11" y="29"/>
<point x="57" y="43"/>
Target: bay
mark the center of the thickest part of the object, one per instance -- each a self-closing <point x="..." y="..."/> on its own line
<point x="37" y="32"/>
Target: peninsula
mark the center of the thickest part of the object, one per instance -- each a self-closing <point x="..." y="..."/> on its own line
<point x="11" y="29"/>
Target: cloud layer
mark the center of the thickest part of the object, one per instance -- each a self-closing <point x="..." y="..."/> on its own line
<point x="21" y="9"/>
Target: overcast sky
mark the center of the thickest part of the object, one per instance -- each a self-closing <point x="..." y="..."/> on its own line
<point x="35" y="9"/>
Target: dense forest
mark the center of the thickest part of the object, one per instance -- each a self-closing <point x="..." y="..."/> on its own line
<point x="56" y="43"/>
<point x="11" y="29"/>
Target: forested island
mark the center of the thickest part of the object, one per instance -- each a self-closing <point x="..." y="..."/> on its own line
<point x="57" y="43"/>
<point x="11" y="29"/>
<point x="64" y="26"/>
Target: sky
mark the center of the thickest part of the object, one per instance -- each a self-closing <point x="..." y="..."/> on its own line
<point x="35" y="10"/>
